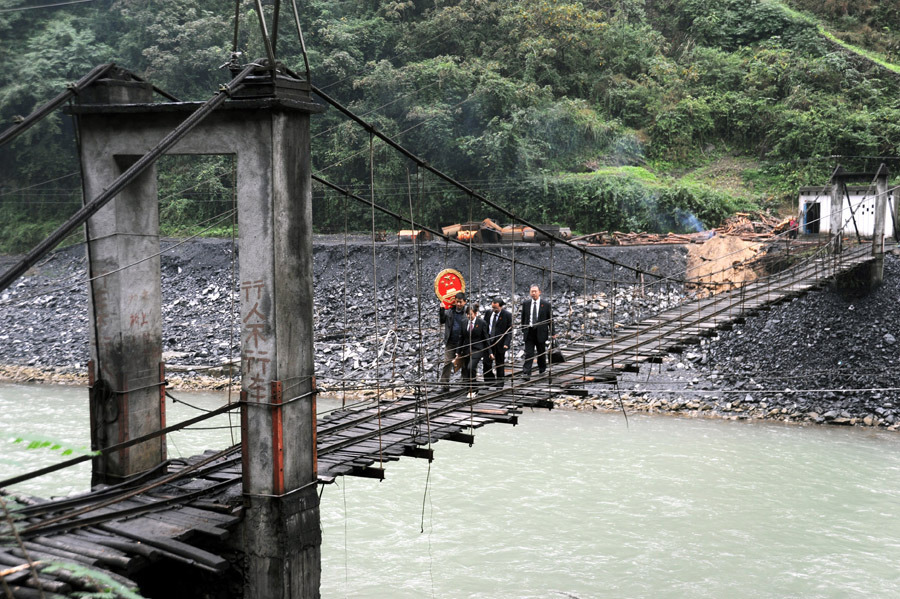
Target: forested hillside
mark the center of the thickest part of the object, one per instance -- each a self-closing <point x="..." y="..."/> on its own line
<point x="626" y="114"/>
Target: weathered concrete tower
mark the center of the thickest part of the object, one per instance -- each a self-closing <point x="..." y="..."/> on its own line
<point x="127" y="395"/>
<point x="266" y="127"/>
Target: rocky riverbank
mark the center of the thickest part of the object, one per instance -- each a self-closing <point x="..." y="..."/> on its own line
<point x="829" y="357"/>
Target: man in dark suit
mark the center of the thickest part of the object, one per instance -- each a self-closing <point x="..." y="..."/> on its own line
<point x="499" y="322"/>
<point x="475" y="342"/>
<point x="538" y="327"/>
<point x="454" y="321"/>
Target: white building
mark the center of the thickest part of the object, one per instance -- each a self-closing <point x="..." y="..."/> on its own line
<point x="815" y="211"/>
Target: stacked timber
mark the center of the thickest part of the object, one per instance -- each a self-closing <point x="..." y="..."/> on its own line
<point x="409" y="235"/>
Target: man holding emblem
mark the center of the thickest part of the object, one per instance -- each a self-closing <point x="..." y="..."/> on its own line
<point x="450" y="287"/>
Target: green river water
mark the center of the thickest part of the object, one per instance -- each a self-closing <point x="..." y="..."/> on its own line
<point x="575" y="505"/>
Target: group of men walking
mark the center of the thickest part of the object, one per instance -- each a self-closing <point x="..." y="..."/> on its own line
<point x="470" y="339"/>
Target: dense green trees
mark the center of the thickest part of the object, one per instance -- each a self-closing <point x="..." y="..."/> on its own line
<point x="595" y="114"/>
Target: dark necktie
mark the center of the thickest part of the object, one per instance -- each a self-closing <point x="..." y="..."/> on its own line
<point x="534" y="313"/>
<point x="493" y="321"/>
<point x="470" y="326"/>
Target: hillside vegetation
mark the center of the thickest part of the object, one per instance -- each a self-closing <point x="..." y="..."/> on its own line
<point x="626" y="114"/>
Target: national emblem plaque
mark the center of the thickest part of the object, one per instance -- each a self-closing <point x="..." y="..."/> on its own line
<point x="447" y="284"/>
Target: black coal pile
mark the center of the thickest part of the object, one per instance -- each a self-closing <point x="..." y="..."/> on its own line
<point x="831" y="356"/>
<point x="45" y="325"/>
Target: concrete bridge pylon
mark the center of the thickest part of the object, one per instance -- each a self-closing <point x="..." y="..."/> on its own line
<point x="839" y="225"/>
<point x="265" y="126"/>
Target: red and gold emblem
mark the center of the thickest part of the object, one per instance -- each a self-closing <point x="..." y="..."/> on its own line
<point x="447" y="284"/>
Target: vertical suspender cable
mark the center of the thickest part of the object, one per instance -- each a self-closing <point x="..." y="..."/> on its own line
<point x="481" y="275"/>
<point x="300" y="35"/>
<point x="441" y="351"/>
<point x="549" y="347"/>
<point x="421" y="352"/>
<point x="396" y="320"/>
<point x="346" y="323"/>
<point x="375" y="287"/>
<point x="510" y="352"/>
<point x="237" y="21"/>
<point x="232" y="287"/>
<point x="612" y="320"/>
<point x="584" y="317"/>
<point x="276" y="13"/>
<point x="270" y="52"/>
<point x="472" y="373"/>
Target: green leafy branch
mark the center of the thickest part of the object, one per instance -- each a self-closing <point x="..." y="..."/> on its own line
<point x="33" y="442"/>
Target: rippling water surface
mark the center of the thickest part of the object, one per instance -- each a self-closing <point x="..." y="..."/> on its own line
<point x="580" y="505"/>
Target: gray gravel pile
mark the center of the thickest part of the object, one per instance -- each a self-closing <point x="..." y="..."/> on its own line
<point x="45" y="325"/>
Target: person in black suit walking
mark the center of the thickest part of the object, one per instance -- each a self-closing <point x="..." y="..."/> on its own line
<point x="538" y="327"/>
<point x="499" y="323"/>
<point x="475" y="342"/>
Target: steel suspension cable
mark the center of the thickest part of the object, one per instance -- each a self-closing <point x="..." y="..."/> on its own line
<point x="124" y="179"/>
<point x="119" y="446"/>
<point x="300" y="36"/>
<point x="237" y="21"/>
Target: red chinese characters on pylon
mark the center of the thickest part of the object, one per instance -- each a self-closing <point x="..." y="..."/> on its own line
<point x="254" y="346"/>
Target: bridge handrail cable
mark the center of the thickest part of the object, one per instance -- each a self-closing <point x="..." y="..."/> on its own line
<point x="117" y="447"/>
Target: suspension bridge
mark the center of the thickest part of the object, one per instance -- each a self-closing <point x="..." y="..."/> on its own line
<point x="258" y="499"/>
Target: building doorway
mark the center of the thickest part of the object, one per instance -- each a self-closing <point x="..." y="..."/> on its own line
<point x="811" y="218"/>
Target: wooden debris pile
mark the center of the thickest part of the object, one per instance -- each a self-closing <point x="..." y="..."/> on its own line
<point x="752" y="226"/>
<point x="488" y="231"/>
<point x="120" y="531"/>
<point x="619" y="238"/>
<point x="749" y="226"/>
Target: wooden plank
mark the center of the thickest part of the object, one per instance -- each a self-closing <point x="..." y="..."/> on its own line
<point x="174" y="549"/>
<point x="118" y="543"/>
<point x="20" y="592"/>
<point x="104" y="555"/>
